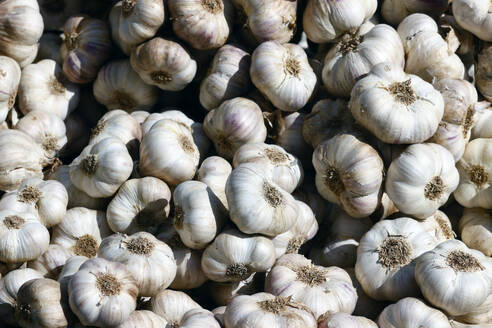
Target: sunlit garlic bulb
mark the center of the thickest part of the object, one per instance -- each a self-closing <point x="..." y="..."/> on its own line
<point x="482" y="120"/>
<point x="474" y="16"/>
<point x="344" y="320"/>
<point x="143" y="318"/>
<point x="10" y="75"/>
<point x="476" y="229"/>
<point x="51" y="262"/>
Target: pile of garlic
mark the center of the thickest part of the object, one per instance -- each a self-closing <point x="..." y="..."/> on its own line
<point x="246" y="163"/>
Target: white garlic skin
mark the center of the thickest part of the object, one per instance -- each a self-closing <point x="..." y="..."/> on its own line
<point x="474" y="16"/>
<point x="344" y="320"/>
<point x="172" y="305"/>
<point x="480" y="315"/>
<point x="482" y="120"/>
<point x="143" y="318"/>
<point x="395" y="11"/>
<point x="283" y="74"/>
<point x="439" y="226"/>
<point x="51" y="262"/>
<point x="476" y="229"/>
<point x="10" y="75"/>
<point x="214" y="172"/>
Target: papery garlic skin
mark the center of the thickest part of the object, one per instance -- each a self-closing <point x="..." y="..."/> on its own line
<point x="149" y="260"/>
<point x="483" y="71"/>
<point x="356" y="53"/>
<point x="133" y="22"/>
<point x="475" y="171"/>
<point x="476" y="229"/>
<point x="395" y="11"/>
<point x="352" y="180"/>
<point x="163" y="63"/>
<point x="234" y="123"/>
<point x="168" y="152"/>
<point x="474" y="16"/>
<point x="439" y="226"/>
<point x="398" y="108"/>
<point x="227" y="78"/>
<point x="385" y="266"/>
<point x="102" y="293"/>
<point x="234" y="256"/>
<point x="51" y="262"/>
<point x="283" y="74"/>
<point x="480" y="315"/>
<point x="203" y="24"/>
<point x="344" y="320"/>
<point x="454" y="277"/>
<point x="85" y="48"/>
<point x="482" y="120"/>
<point x="172" y="305"/>
<point x="421" y="179"/>
<point x="320" y="289"/>
<point x="143" y="318"/>
<point x="10" y="75"/>
<point x="214" y="172"/>
<point x="20" y="40"/>
<point x="118" y="86"/>
<point x="140" y="204"/>
<point x="412" y="311"/>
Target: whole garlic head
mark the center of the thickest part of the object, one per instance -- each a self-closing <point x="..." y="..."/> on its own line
<point x="344" y="320"/>
<point x="474" y="16"/>
<point x="476" y="229"/>
<point x="282" y="72"/>
<point x="394" y="11"/>
<point x="143" y="318"/>
<point x="482" y="120"/>
<point x="172" y="305"/>
<point x="10" y="75"/>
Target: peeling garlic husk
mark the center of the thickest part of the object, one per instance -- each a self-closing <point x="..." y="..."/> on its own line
<point x="412" y="311"/>
<point x="10" y="75"/>
<point x="266" y="310"/>
<point x="474" y="16"/>
<point x="475" y="170"/>
<point x="172" y="305"/>
<point x="139" y="205"/>
<point x="55" y="13"/>
<point x="49" y="47"/>
<point x="325" y="21"/>
<point x="421" y="179"/>
<point x="283" y="74"/>
<point x="351" y="179"/>
<point x="203" y="24"/>
<point x="214" y="172"/>
<point x="85" y="48"/>
<point x="275" y="210"/>
<point x="81" y="231"/>
<point x="454" y="277"/>
<point x="480" y="315"/>
<point x="46" y="199"/>
<point x="134" y="21"/>
<point x="102" y="293"/>
<point x="281" y="167"/>
<point x="356" y="53"/>
<point x="483" y="71"/>
<point x="118" y="86"/>
<point x="344" y="320"/>
<point x="51" y="262"/>
<point x="149" y="260"/>
<point x="439" y="226"/>
<point x="385" y="266"/>
<point x="227" y="78"/>
<point x="395" y="11"/>
<point x="171" y="137"/>
<point x="320" y="289"/>
<point x="482" y="120"/>
<point x="143" y="318"/>
<point x="20" y="40"/>
<point x="476" y="229"/>
<point x="164" y="64"/>
<point x="234" y="256"/>
<point x="234" y="123"/>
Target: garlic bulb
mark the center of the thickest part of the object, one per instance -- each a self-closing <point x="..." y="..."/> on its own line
<point x="101" y="168"/>
<point x="85" y="48"/>
<point x="283" y="74"/>
<point x="49" y="47"/>
<point x="203" y="24"/>
<point x="394" y="11"/>
<point x="140" y="116"/>
<point x="9" y="287"/>
<point x="356" y="53"/>
<point x="275" y="210"/>
<point x="47" y="199"/>
<point x="234" y="256"/>
<point x="482" y="120"/>
<point x="224" y="292"/>
<point x="10" y="75"/>
<point x="169" y="137"/>
<point x="476" y="229"/>
<point x="414" y="312"/>
<point x="143" y="318"/>
<point x="38" y="305"/>
<point x="134" y="21"/>
<point x="81" y="231"/>
<point x="420" y="180"/>
<point x="264" y="310"/>
<point x="198" y="214"/>
<point x="349" y="173"/>
<point x="149" y="260"/>
<point x="281" y="167"/>
<point x="475" y="170"/>
<point x="420" y="37"/>
<point x="344" y="320"/>
<point x="47" y="130"/>
<point x="51" y="262"/>
<point x="320" y="289"/>
<point x="234" y="123"/>
<point x="385" y="266"/>
<point x="474" y="16"/>
<point x="398" y="108"/>
<point x="324" y="21"/>
<point x="102" y="293"/>
<point x="172" y="305"/>
<point x="439" y="226"/>
<point x="118" y="86"/>
<point x="483" y="71"/>
<point x="140" y="204"/>
<point x="163" y="63"/>
<point x="214" y="172"/>
<point x="454" y="277"/>
<point x="227" y="77"/>
<point x="480" y="315"/>
<point x="20" y="40"/>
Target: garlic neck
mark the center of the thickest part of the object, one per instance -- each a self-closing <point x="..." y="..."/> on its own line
<point x="127" y="7"/>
